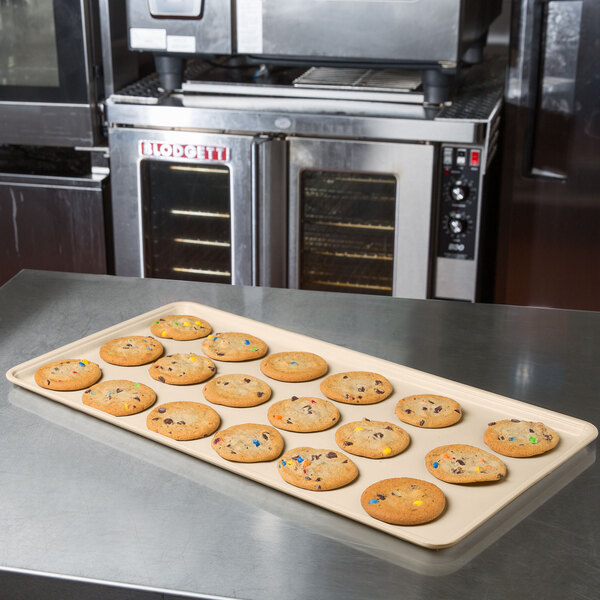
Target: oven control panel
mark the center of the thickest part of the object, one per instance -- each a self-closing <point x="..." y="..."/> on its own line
<point x="457" y="223"/>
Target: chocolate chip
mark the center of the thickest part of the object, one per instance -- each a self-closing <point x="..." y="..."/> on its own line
<point x="47" y="382"/>
<point x="118" y="391"/>
<point x="378" y="435"/>
<point x="366" y="419"/>
<point x="265" y="436"/>
<point x="318" y="479"/>
<point x="378" y="382"/>
<point x="515" y="421"/>
<point x="437" y="409"/>
<point x="246" y="380"/>
<point x="155" y="419"/>
<point x="224" y="382"/>
<point x="87" y="391"/>
<point x="220" y="354"/>
<point x="161" y="378"/>
<point x="345" y="377"/>
<point x="380" y="496"/>
<point x="315" y="457"/>
<point x="168" y="421"/>
<point x="180" y="422"/>
<point x="460" y="462"/>
<point x="378" y="391"/>
<point x="331" y="455"/>
<point x="499" y="476"/>
<point x="407" y="411"/>
<point x="492" y="423"/>
<point x="421" y="422"/>
<point x="162" y="410"/>
<point x="211" y="368"/>
<point x="457" y="411"/>
<point x="217" y="440"/>
<point x="294" y="398"/>
<point x="137" y="398"/>
<point x="307" y="478"/>
<point x="361" y="389"/>
<point x="348" y="443"/>
<point x="388" y="427"/>
<point x="424" y="408"/>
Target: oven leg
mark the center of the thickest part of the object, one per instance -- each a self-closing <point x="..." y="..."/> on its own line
<point x="170" y="71"/>
<point x="437" y="85"/>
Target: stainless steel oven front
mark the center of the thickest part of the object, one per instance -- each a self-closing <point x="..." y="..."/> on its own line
<point x="197" y="211"/>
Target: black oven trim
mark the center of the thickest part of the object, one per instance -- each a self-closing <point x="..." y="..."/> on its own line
<point x="71" y="57"/>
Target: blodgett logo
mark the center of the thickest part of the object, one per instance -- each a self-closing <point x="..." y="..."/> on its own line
<point x="184" y="151"/>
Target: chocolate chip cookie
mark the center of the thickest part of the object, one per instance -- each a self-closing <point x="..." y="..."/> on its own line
<point x="180" y="327"/>
<point x="513" y="437"/>
<point x="428" y="411"/>
<point x="119" y="397"/>
<point x="372" y="439"/>
<point x="460" y="463"/>
<point x="356" y="387"/>
<point x="183" y="420"/>
<point x="250" y="442"/>
<point x="131" y="351"/>
<point x="234" y="347"/>
<point x="294" y="366"/>
<point x="68" y="374"/>
<point x="403" y="501"/>
<point x="316" y="469"/>
<point x="237" y="390"/>
<point x="182" y="369"/>
<point x="304" y="414"/>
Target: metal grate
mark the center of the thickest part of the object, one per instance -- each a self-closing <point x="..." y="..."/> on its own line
<point x="389" y="80"/>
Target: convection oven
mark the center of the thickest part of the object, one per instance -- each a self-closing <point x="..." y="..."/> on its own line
<point x="345" y="188"/>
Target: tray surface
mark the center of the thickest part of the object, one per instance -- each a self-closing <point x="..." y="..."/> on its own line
<point x="468" y="506"/>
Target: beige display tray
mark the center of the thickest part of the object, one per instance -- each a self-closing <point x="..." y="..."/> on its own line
<point x="468" y="506"/>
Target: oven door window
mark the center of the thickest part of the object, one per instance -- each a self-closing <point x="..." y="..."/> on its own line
<point x="347" y="231"/>
<point x="42" y="52"/>
<point x="187" y="221"/>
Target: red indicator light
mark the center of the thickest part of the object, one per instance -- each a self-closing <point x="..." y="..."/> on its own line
<point x="475" y="154"/>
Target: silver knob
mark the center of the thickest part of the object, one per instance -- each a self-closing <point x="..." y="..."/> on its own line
<point x="459" y="191"/>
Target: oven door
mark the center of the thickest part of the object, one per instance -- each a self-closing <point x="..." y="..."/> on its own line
<point x="47" y="80"/>
<point x="186" y="206"/>
<point x="360" y="216"/>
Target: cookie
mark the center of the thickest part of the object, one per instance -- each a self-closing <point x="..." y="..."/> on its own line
<point x="519" y="438"/>
<point x="293" y="366"/>
<point x="131" y="351"/>
<point x="356" y="387"/>
<point x="180" y="327"/>
<point x="182" y="369"/>
<point x="183" y="420"/>
<point x="234" y="347"/>
<point x="403" y="501"/>
<point x="372" y="439"/>
<point x="426" y="410"/>
<point x="68" y="374"/>
<point x="248" y="443"/>
<point x="316" y="469"/>
<point x="237" y="390"/>
<point x="119" y="397"/>
<point x="459" y="463"/>
<point x="303" y="414"/>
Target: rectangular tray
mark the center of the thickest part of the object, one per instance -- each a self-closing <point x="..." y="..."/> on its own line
<point x="468" y="506"/>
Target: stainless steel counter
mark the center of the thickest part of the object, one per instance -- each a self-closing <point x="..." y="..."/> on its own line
<point x="91" y="511"/>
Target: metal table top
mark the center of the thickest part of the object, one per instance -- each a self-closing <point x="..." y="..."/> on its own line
<point x="102" y="513"/>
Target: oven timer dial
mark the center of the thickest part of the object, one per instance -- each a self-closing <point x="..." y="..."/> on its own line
<point x="457" y="223"/>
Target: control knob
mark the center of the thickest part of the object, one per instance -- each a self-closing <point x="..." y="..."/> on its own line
<point x="457" y="225"/>
<point x="459" y="191"/>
